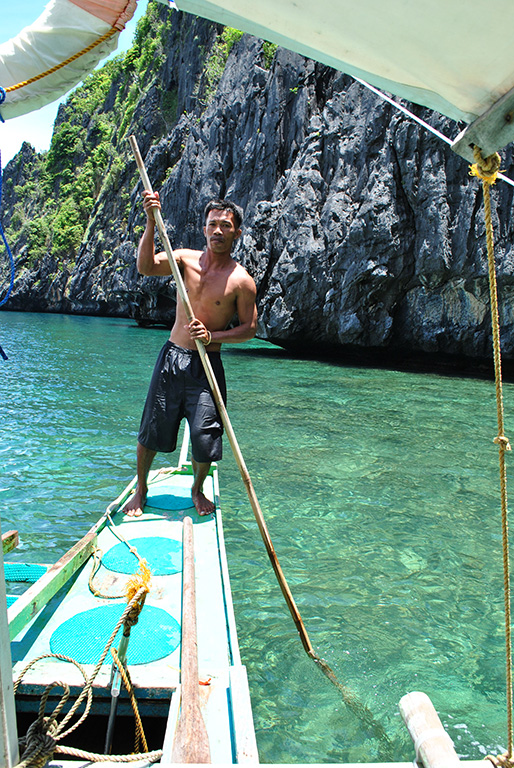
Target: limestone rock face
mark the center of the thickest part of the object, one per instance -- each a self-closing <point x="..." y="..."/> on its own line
<point x="362" y="230"/>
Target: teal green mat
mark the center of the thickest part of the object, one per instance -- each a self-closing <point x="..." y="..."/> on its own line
<point x="29" y="572"/>
<point x="168" y="495"/>
<point x="164" y="556"/>
<point x="83" y="637"/>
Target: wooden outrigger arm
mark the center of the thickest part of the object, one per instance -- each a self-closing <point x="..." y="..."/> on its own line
<point x="191" y="743"/>
<point x="10" y="541"/>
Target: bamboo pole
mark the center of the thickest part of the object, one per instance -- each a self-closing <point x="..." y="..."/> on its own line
<point x="348" y="696"/>
<point x="181" y="289"/>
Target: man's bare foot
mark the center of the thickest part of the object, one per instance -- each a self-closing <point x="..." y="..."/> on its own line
<point x="135" y="505"/>
<point x="203" y="505"/>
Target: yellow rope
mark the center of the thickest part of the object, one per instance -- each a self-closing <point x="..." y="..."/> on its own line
<point x="37" y="755"/>
<point x="75" y="56"/>
<point x="137" y="581"/>
<point x="500" y="761"/>
<point x="487" y="170"/>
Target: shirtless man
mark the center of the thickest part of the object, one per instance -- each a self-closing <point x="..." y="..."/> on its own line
<point x="218" y="288"/>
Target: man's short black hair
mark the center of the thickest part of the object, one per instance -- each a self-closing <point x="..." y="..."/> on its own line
<point x="224" y="205"/>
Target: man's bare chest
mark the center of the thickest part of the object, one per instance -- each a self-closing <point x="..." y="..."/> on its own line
<point x="210" y="290"/>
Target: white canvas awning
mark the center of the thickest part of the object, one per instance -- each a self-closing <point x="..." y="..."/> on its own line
<point x="454" y="56"/>
<point x="64" y="28"/>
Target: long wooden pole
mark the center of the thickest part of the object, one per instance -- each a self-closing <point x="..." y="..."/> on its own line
<point x="348" y="696"/>
<point x="181" y="289"/>
<point x="191" y="743"/>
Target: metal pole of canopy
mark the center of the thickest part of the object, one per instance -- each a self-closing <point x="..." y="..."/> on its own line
<point x="9" y="744"/>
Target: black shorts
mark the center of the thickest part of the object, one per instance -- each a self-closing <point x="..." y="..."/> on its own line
<point x="179" y="388"/>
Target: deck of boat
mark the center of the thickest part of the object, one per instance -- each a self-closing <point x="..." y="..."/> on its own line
<point x="154" y="648"/>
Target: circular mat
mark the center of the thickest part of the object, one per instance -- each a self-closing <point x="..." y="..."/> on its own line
<point x="169" y="496"/>
<point x="83" y="637"/>
<point x="164" y="556"/>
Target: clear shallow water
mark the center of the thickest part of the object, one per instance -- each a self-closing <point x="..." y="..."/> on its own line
<point x="379" y="489"/>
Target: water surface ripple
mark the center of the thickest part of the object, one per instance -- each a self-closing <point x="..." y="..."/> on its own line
<point x="380" y="491"/>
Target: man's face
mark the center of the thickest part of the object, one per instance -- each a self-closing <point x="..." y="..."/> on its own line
<point x="220" y="231"/>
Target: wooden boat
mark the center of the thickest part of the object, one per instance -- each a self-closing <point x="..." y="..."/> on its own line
<point x="73" y="608"/>
<point x="43" y="621"/>
<point x="406" y="63"/>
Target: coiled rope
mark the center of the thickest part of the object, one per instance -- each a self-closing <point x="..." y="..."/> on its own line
<point x="487" y="170"/>
<point x="142" y="579"/>
<point x="42" y="737"/>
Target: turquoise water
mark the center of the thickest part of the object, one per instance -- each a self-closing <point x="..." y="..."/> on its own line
<point x="379" y="489"/>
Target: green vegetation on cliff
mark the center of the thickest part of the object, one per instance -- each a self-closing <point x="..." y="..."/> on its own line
<point x="72" y="214"/>
<point x="86" y="151"/>
<point x="52" y="210"/>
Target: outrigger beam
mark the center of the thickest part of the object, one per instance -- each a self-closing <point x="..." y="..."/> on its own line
<point x="490" y="132"/>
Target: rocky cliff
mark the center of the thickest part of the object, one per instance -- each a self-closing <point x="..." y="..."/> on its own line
<point x="363" y="231"/>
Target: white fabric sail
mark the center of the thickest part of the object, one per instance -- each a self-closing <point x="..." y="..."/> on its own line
<point x="449" y="55"/>
<point x="64" y="28"/>
<point x="454" y="56"/>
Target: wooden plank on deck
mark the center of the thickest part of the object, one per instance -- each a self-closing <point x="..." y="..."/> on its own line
<point x="38" y="595"/>
<point x="10" y="541"/>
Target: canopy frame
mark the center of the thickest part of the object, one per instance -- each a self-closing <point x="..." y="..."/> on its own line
<point x="492" y="131"/>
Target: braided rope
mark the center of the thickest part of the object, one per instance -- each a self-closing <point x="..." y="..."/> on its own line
<point x="45" y="732"/>
<point x="97" y="562"/>
<point x="40" y="741"/>
<point x="64" y="63"/>
<point x="500" y="761"/>
<point x="487" y="170"/>
<point x="93" y="757"/>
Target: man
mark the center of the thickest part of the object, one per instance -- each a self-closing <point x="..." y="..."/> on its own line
<point x="218" y="288"/>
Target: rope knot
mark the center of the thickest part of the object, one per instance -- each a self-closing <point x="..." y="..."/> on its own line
<point x="486" y="168"/>
<point x="39" y="744"/>
<point x="503" y="442"/>
<point x="137" y="589"/>
<point x="132" y="617"/>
